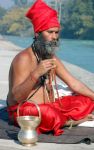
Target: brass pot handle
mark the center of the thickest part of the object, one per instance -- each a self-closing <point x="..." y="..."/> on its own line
<point x="38" y="108"/>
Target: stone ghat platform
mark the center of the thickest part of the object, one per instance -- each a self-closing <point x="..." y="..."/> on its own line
<point x="7" y="52"/>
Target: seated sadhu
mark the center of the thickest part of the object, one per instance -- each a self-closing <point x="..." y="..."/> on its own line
<point x="33" y="72"/>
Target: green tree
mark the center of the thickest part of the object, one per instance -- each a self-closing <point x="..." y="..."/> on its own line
<point x="2" y="12"/>
<point x="20" y="3"/>
<point x="14" y="22"/>
<point x="78" y="21"/>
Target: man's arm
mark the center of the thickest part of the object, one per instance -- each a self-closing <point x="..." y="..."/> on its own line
<point x="76" y="85"/>
<point x="23" y="80"/>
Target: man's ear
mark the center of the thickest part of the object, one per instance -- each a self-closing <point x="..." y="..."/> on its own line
<point x="36" y="34"/>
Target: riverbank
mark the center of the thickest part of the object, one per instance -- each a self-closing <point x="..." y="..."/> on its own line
<point x="7" y="45"/>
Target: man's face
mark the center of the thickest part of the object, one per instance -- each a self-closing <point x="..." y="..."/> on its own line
<point x="51" y="34"/>
<point x="51" y="37"/>
<point x="46" y="43"/>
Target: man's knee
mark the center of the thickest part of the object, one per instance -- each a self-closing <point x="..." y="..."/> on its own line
<point x="28" y="110"/>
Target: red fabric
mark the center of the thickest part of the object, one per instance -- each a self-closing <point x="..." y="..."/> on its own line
<point x="42" y="16"/>
<point x="54" y="116"/>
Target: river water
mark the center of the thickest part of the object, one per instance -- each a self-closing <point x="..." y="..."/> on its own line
<point x="78" y="52"/>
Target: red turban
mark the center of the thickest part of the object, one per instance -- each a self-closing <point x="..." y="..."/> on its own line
<point x="42" y="16"/>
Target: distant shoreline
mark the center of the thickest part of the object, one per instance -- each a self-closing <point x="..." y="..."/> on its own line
<point x="24" y="36"/>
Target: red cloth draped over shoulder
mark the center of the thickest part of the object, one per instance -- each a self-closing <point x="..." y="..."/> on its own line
<point x="53" y="115"/>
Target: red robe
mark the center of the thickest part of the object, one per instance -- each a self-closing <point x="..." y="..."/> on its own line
<point x="55" y="115"/>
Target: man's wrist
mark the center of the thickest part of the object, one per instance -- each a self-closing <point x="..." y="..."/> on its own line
<point x="34" y="76"/>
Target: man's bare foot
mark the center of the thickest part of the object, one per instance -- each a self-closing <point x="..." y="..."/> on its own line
<point x="90" y="117"/>
<point x="70" y="123"/>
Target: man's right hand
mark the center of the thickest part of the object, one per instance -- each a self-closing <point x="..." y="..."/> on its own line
<point x="45" y="66"/>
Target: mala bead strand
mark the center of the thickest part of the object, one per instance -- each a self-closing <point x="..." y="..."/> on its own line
<point x="53" y="77"/>
<point x="51" y="94"/>
<point x="57" y="89"/>
<point x="56" y="84"/>
<point x="44" y="93"/>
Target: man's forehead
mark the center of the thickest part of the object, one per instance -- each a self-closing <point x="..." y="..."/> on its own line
<point x="53" y="29"/>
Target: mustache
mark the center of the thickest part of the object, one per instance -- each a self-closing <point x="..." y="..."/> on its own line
<point x="53" y="43"/>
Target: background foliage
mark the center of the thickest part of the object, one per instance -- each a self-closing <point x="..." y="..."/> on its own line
<point x="77" y="20"/>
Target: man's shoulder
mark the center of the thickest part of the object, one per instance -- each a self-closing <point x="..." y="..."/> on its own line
<point x="23" y="57"/>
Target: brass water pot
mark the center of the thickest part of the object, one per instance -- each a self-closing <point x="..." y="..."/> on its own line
<point x="27" y="134"/>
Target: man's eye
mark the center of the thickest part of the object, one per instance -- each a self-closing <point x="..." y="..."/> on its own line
<point x="50" y="31"/>
<point x="57" y="32"/>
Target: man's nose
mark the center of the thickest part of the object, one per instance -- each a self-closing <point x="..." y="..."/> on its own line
<point x="54" y="36"/>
